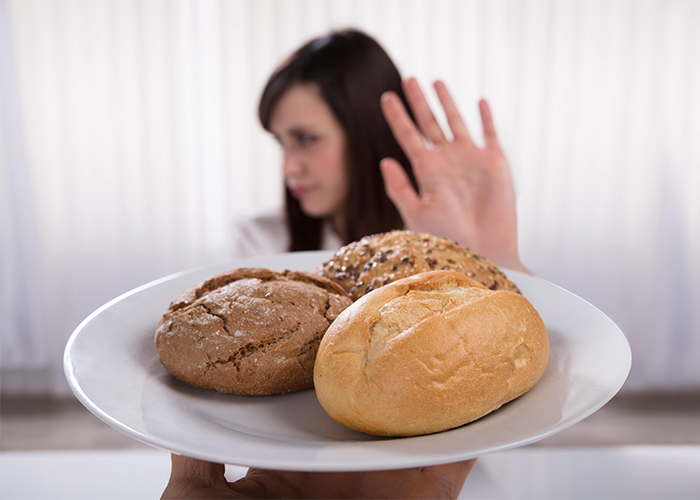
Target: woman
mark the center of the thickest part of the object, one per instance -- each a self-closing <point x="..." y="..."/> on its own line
<point x="355" y="163"/>
<point x="338" y="109"/>
<point x="323" y="107"/>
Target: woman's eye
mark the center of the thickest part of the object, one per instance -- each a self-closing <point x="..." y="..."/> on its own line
<point x="305" y="140"/>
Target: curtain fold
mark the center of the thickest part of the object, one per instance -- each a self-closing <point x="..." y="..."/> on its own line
<point x="20" y="263"/>
<point x="130" y="142"/>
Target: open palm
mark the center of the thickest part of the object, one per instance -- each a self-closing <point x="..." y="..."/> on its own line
<point x="465" y="193"/>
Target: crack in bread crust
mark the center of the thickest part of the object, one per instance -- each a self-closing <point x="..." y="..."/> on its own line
<point x="211" y="313"/>
<point x="251" y="348"/>
<point x="402" y="313"/>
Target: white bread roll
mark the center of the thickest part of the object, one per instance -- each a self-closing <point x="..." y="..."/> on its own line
<point x="428" y="353"/>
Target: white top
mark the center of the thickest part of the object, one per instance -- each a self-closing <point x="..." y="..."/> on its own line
<point x="266" y="233"/>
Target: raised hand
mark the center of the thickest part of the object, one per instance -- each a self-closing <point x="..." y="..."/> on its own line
<point x="465" y="193"/>
<point x="191" y="478"/>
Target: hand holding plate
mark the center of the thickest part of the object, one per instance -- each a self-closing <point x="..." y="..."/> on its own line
<point x="191" y="478"/>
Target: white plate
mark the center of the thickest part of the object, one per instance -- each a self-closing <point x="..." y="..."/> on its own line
<point x="112" y="366"/>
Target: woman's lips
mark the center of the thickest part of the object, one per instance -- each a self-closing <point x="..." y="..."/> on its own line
<point x="299" y="192"/>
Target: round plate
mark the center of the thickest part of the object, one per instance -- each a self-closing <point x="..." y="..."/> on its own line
<point x="112" y="366"/>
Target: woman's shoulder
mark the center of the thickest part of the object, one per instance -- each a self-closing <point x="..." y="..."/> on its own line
<point x="263" y="232"/>
<point x="266" y="217"/>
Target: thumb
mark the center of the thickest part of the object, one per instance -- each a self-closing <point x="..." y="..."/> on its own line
<point x="399" y="188"/>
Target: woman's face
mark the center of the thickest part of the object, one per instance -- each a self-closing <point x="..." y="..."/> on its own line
<point x="314" y="150"/>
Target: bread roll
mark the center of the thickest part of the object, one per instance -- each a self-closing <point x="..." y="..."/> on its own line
<point x="250" y="331"/>
<point x="428" y="353"/>
<point x="380" y="259"/>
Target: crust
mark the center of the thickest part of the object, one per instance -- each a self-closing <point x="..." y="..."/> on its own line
<point x="380" y="259"/>
<point x="428" y="353"/>
<point x="250" y="331"/>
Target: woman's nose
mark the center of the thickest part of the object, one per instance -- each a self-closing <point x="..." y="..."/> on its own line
<point x="291" y="165"/>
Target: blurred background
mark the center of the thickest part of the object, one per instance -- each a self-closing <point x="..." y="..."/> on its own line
<point x="129" y="144"/>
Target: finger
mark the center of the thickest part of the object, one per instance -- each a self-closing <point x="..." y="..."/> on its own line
<point x="490" y="139"/>
<point x="401" y="125"/>
<point x="399" y="188"/>
<point x="454" y="118"/>
<point x="196" y="472"/>
<point x="422" y="112"/>
<point x="450" y="478"/>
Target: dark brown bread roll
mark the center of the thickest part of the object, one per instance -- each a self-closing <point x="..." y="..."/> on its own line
<point x="250" y="331"/>
<point x="380" y="259"/>
<point x="428" y="353"/>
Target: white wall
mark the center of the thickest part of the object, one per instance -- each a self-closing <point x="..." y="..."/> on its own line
<point x="130" y="141"/>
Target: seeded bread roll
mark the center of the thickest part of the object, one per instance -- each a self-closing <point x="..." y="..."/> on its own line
<point x="380" y="259"/>
<point x="428" y="353"/>
<point x="250" y="331"/>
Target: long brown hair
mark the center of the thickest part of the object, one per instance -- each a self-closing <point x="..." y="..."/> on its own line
<point x="352" y="71"/>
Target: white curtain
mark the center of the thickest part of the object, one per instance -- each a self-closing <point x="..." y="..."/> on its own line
<point x="130" y="143"/>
